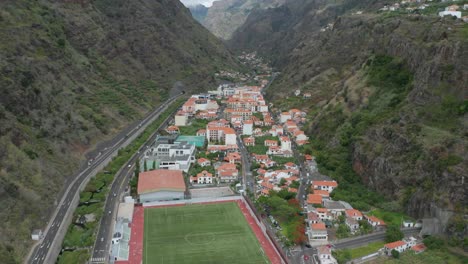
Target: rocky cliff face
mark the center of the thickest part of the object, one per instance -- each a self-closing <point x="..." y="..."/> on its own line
<point x="73" y="73"/>
<point x="388" y="97"/>
<point x="225" y="16"/>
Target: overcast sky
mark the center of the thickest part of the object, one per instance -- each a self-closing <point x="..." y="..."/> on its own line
<point x="206" y="3"/>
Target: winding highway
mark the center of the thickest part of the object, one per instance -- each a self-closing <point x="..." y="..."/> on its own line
<point x="57" y="227"/>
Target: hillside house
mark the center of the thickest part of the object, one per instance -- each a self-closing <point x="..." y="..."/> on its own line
<point x="203" y="177"/>
<point x="399" y="246"/>
<point x="249" y="141"/>
<point x="203" y="162"/>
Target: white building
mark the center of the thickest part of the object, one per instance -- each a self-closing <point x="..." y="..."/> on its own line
<point x="181" y="118"/>
<point x="247" y="128"/>
<point x="161" y="185"/>
<point x="203" y="177"/>
<point x="285" y="116"/>
<point x="285" y="143"/>
<point x="325" y="255"/>
<point x="318" y="232"/>
<point x="399" y="246"/>
<point x="450" y="13"/>
<point x="36" y="234"/>
<point x="328" y="186"/>
<point x="177" y="156"/>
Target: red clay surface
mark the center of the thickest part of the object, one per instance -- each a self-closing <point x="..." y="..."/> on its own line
<point x="267" y="246"/>
<point x="135" y="255"/>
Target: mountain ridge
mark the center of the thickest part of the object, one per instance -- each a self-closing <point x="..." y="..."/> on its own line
<point x="73" y="73"/>
<point x="404" y="143"/>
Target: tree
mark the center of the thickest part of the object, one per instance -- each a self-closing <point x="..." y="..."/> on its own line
<point x="393" y="233"/>
<point x="433" y="242"/>
<point x="395" y="254"/>
<point x="137" y="167"/>
<point x="282" y="182"/>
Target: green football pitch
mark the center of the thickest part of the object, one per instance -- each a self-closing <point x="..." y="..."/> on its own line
<point x="199" y="233"/>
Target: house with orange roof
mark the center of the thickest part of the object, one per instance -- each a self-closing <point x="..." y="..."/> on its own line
<point x="285" y="143"/>
<point x="274" y="151"/>
<point x="290" y="125"/>
<point x="269" y="163"/>
<point x="374" y="221"/>
<point x="314" y="199"/>
<point x="172" y="130"/>
<point x="222" y="148"/>
<point x="249" y="141"/>
<point x="201" y="133"/>
<point x="328" y="186"/>
<point x="399" y="246"/>
<point x="233" y="157"/>
<point x="355" y="214"/>
<point x="419" y="248"/>
<point x="290" y="166"/>
<point x="203" y="162"/>
<point x="325" y="256"/>
<point x="318" y="232"/>
<point x="324" y="214"/>
<point x="308" y="157"/>
<point x="203" y="177"/>
<point x="227" y="172"/>
<point x="260" y="158"/>
<point x="322" y="193"/>
<point x="270" y="143"/>
<point x="161" y="185"/>
<point x="313" y="218"/>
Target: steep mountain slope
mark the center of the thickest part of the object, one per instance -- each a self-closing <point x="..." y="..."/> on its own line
<point x="198" y="12"/>
<point x="73" y="73"/>
<point x="225" y="16"/>
<point x="388" y="106"/>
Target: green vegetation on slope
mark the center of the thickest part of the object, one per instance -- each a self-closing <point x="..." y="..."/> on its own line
<point x="93" y="197"/>
<point x="391" y="82"/>
<point x="73" y="75"/>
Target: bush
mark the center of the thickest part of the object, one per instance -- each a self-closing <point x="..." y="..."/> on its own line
<point x="395" y="254"/>
<point x="433" y="242"/>
<point x="393" y="233"/>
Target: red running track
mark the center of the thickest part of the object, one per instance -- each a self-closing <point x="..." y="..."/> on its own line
<point x="267" y="246"/>
<point x="135" y="255"/>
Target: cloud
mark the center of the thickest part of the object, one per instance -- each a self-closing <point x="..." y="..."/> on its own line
<point x="206" y="3"/>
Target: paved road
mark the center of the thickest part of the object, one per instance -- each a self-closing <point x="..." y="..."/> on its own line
<point x="41" y="251"/>
<point x="119" y="185"/>
<point x="248" y="180"/>
<point x="364" y="240"/>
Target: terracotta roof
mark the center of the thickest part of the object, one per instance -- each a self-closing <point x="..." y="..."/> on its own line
<point x="318" y="226"/>
<point x="395" y="244"/>
<point x="312" y="216"/>
<point x="322" y="210"/>
<point x="160" y="180"/>
<point x="419" y="248"/>
<point x="204" y="174"/>
<point x="353" y="213"/>
<point x="322" y="193"/>
<point x="375" y="219"/>
<point x="314" y="199"/>
<point x="325" y="183"/>
<point x="203" y="160"/>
